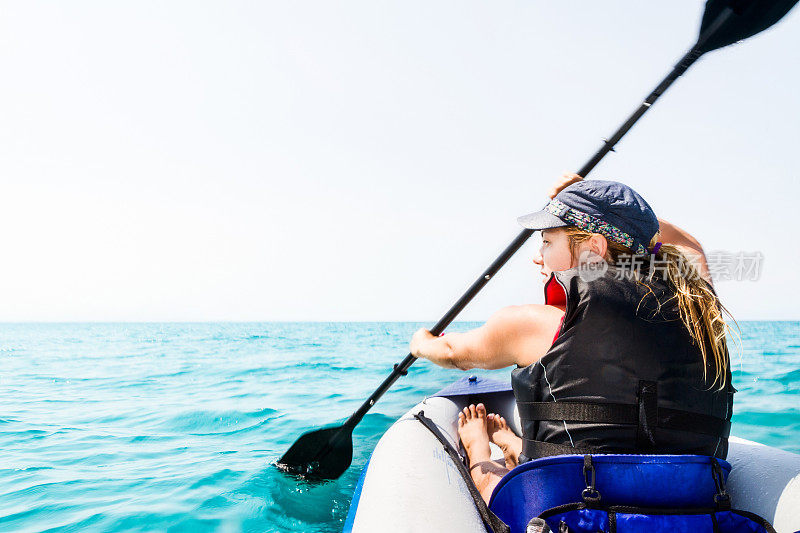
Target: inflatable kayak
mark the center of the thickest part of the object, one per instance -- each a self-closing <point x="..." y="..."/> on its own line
<point x="412" y="484"/>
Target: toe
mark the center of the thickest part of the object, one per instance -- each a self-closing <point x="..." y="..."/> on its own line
<point x="460" y="419"/>
<point x="480" y="410"/>
<point x="466" y="412"/>
<point x="472" y="410"/>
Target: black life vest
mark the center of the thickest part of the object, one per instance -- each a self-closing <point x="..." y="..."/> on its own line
<point x="623" y="375"/>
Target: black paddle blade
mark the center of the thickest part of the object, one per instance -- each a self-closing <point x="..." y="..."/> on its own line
<point x="320" y="454"/>
<point x="748" y="18"/>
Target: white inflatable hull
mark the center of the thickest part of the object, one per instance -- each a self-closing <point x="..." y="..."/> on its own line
<point x="411" y="485"/>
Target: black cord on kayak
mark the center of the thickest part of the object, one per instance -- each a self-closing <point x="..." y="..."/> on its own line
<point x="491" y="520"/>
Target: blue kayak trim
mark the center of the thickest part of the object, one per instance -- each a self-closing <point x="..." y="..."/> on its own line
<point x="474" y="385"/>
<point x="351" y="513"/>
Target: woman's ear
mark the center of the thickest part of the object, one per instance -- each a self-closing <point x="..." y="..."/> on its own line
<point x="598" y="244"/>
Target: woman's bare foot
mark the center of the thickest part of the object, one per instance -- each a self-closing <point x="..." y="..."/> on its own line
<point x="507" y="440"/>
<point x="472" y="429"/>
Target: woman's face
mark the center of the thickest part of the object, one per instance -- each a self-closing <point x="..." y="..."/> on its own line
<point x="554" y="254"/>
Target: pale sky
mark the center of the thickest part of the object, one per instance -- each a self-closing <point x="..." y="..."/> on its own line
<point x="366" y="160"/>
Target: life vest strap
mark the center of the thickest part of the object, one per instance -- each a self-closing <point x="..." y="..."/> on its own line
<point x="536" y="449"/>
<point x="628" y="414"/>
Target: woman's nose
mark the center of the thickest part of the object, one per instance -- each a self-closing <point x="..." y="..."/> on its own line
<point x="537" y="258"/>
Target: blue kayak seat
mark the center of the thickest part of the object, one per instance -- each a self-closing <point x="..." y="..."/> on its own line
<point x="648" y="481"/>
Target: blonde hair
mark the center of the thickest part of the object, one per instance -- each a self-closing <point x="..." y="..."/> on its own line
<point x="699" y="307"/>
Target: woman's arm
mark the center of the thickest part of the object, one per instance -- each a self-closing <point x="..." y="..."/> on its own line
<point x="686" y="243"/>
<point x="514" y="335"/>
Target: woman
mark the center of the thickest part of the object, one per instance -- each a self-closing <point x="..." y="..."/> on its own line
<point x="628" y="353"/>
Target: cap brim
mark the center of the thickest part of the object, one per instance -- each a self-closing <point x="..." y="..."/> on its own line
<point x="541" y="220"/>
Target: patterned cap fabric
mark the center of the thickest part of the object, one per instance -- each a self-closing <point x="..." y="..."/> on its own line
<point x="609" y="208"/>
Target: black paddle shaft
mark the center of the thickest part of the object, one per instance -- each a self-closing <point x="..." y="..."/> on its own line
<point x="401" y="368"/>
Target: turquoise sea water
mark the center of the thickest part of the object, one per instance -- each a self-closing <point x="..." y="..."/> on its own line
<point x="175" y="427"/>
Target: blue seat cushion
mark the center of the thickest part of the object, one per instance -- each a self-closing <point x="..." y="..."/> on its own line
<point x="652" y="481"/>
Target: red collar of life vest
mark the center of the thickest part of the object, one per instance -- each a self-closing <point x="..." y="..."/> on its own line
<point x="554" y="294"/>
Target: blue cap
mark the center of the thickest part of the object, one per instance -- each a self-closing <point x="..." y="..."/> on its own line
<point x="609" y="208"/>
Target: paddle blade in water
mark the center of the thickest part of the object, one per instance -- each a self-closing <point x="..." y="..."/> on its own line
<point x="728" y="21"/>
<point x="320" y="454"/>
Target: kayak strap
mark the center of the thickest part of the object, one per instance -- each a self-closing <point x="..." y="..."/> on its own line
<point x="491" y="520"/>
